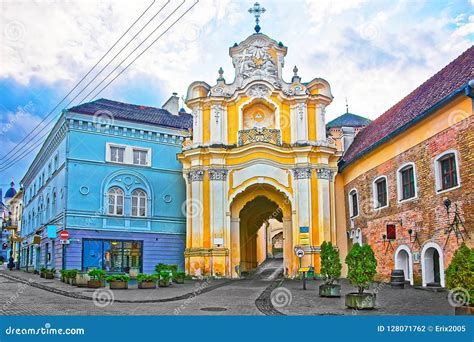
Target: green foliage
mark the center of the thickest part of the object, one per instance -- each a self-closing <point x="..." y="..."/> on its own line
<point x="118" y="277"/>
<point x="142" y="277"/>
<point x="330" y="263"/>
<point x="165" y="275"/>
<point x="460" y="272"/>
<point x="362" y="266"/>
<point x="49" y="271"/>
<point x="180" y="275"/>
<point x="164" y="267"/>
<point x="96" y="274"/>
<point x="63" y="273"/>
<point x="70" y="273"/>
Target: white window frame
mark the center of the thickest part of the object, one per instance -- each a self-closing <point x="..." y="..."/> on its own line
<point x="138" y="203"/>
<point x="437" y="170"/>
<point x="114" y="213"/>
<point x="375" y="194"/>
<point x="399" y="183"/>
<point x="127" y="154"/>
<point x="147" y="152"/>
<point x="351" y="212"/>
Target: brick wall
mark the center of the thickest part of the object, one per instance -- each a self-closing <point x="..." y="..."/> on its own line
<point x="426" y="215"/>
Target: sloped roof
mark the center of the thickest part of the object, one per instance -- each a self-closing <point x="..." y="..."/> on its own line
<point x="447" y="82"/>
<point x="136" y="113"/>
<point x="348" y="120"/>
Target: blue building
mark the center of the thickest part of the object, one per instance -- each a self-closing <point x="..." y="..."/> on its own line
<point x="108" y="175"/>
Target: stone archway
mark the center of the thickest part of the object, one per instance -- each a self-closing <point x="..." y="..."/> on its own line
<point x="250" y="211"/>
<point x="404" y="261"/>
<point x="432" y="265"/>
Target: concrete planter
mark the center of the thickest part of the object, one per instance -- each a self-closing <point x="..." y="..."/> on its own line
<point x="95" y="284"/>
<point x="360" y="301"/>
<point x="327" y="290"/>
<point x="118" y="285"/>
<point x="147" y="285"/>
<point x="164" y="282"/>
<point x="464" y="311"/>
<point x="82" y="279"/>
<point x="179" y="280"/>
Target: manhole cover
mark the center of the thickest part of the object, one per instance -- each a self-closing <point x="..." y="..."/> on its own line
<point x="214" y="309"/>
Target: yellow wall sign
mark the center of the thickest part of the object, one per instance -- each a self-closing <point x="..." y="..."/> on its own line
<point x="303" y="269"/>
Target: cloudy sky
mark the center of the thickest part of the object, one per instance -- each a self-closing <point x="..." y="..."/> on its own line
<point x="372" y="52"/>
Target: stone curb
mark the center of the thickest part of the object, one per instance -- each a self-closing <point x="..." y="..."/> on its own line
<point x="195" y="293"/>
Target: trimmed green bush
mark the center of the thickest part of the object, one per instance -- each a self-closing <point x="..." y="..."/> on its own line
<point x="362" y="266"/>
<point x="96" y="274"/>
<point x="330" y="263"/>
<point x="118" y="277"/>
<point x="460" y="273"/>
<point x="142" y="277"/>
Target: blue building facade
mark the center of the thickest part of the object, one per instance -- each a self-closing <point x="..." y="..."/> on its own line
<point x="108" y="175"/>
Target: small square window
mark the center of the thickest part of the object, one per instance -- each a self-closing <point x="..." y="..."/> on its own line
<point x="116" y="154"/>
<point x="140" y="157"/>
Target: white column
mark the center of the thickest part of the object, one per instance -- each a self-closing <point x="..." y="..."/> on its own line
<point x="235" y="244"/>
<point x="288" y="245"/>
<point x="302" y="181"/>
<point x="195" y="207"/>
<point x="299" y="122"/>
<point x="197" y="126"/>
<point x="324" y="204"/>
<point x="216" y="124"/>
<point x="218" y="180"/>
<point x="321" y="122"/>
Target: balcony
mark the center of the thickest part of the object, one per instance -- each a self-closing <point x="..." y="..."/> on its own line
<point x="253" y="135"/>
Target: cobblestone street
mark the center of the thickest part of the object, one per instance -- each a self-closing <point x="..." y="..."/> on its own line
<point x="206" y="297"/>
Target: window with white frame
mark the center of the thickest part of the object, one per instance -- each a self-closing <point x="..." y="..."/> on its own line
<point x="406" y="178"/>
<point x="353" y="203"/>
<point x="115" y="199"/>
<point x="139" y="203"/>
<point x="140" y="157"/>
<point x="380" y="190"/>
<point x="117" y="154"/>
<point x="447" y="171"/>
<point x="126" y="154"/>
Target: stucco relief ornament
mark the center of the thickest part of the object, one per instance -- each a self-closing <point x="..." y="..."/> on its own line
<point x="302" y="173"/>
<point x="256" y="61"/>
<point x="301" y="110"/>
<point x="324" y="174"/>
<point x="218" y="174"/>
<point x="258" y="90"/>
<point x="217" y="112"/>
<point x="196" y="175"/>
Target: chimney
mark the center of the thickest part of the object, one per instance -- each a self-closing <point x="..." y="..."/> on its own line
<point x="172" y="105"/>
<point x="347" y="135"/>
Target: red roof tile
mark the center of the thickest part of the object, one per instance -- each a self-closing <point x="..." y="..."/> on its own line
<point x="449" y="79"/>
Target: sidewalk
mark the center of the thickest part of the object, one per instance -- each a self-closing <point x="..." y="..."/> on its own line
<point x="408" y="301"/>
<point x="131" y="295"/>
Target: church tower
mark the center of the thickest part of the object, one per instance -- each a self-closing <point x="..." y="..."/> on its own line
<point x="258" y="154"/>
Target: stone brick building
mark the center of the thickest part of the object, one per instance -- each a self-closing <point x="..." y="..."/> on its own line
<point x="400" y="170"/>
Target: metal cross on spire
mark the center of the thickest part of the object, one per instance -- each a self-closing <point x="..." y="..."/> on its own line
<point x="257" y="11"/>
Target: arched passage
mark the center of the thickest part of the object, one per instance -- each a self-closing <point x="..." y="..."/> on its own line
<point x="250" y="212"/>
<point x="432" y="265"/>
<point x="404" y="261"/>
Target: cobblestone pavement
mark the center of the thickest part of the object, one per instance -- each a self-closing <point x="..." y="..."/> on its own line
<point x="237" y="297"/>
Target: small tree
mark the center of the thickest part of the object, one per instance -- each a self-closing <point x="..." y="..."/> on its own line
<point x="460" y="273"/>
<point x="330" y="263"/>
<point x="362" y="266"/>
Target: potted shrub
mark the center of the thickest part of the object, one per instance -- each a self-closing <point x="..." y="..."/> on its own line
<point x="165" y="278"/>
<point x="97" y="277"/>
<point x="82" y="278"/>
<point x="146" y="281"/>
<point x="331" y="270"/>
<point x="43" y="272"/>
<point x="72" y="277"/>
<point x="63" y="274"/>
<point x="49" y="274"/>
<point x="362" y="267"/>
<point x="460" y="280"/>
<point x="118" y="281"/>
<point x="178" y="277"/>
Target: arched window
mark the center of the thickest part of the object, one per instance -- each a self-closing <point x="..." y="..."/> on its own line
<point x="115" y="201"/>
<point x="406" y="178"/>
<point x="48" y="209"/>
<point x="139" y="200"/>
<point x="53" y="204"/>
<point x="447" y="171"/>
<point x="353" y="203"/>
